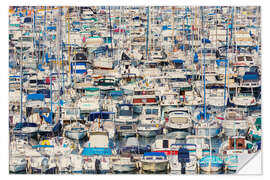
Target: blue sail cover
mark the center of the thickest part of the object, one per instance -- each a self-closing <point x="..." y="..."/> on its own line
<point x="205" y="40"/>
<point x="33" y="97"/>
<point x="49" y="118"/>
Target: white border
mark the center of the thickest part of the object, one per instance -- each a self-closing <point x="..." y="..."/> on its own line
<point x="4" y="76"/>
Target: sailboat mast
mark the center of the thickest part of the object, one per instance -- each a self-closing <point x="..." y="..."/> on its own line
<point x="204" y="99"/>
<point x="110" y="19"/>
<point x="147" y="32"/>
<point x="21" y="61"/>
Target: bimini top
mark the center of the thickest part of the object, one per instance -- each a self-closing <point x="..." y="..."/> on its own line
<point x="155" y="154"/>
<point x="34" y="97"/>
<point x="21" y="125"/>
<point x="91" y="89"/>
<point x="116" y="93"/>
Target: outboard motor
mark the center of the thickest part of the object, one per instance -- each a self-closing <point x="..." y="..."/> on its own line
<point x="44" y="164"/>
<point x="183" y="158"/>
<point x="97" y="166"/>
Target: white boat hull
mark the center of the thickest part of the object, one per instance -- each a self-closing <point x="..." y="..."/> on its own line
<point x="155" y="166"/>
<point x="75" y="135"/>
<point x="17" y="167"/>
<point x="123" y="167"/>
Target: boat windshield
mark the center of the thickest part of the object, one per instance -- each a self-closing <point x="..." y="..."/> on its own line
<point x="151" y="111"/>
<point x="195" y="141"/>
<point x="125" y="113"/>
<point x="177" y="80"/>
<point x="71" y="111"/>
<point x="245" y="94"/>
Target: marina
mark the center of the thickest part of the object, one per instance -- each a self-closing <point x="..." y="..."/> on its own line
<point x="134" y="89"/>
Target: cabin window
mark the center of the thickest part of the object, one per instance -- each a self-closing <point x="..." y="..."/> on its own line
<point x="155" y="111"/>
<point x="165" y="144"/>
<point x="249" y="58"/>
<point x="148" y="111"/>
<point x="241" y="58"/>
<point x="240" y="145"/>
<point x="148" y="158"/>
<point x="126" y="127"/>
<point x="159" y="158"/>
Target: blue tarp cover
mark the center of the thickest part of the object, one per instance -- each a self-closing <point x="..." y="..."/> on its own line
<point x="154" y="154"/>
<point x="35" y="97"/>
<point x="96" y="151"/>
<point x="178" y="61"/>
<point x="251" y="76"/>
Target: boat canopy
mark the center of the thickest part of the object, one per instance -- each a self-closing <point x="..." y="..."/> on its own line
<point x="116" y="93"/>
<point x="155" y="154"/>
<point x="91" y="89"/>
<point x="33" y="97"/>
<point x="21" y="125"/>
